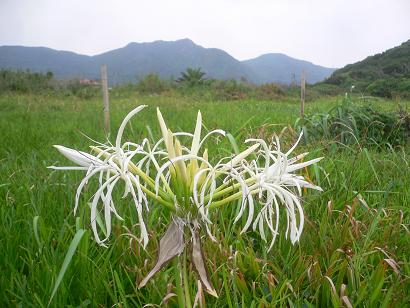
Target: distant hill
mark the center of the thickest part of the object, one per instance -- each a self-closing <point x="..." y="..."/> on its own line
<point x="385" y="74"/>
<point x="281" y="68"/>
<point x="165" y="58"/>
<point x="63" y="64"/>
<point x="169" y="59"/>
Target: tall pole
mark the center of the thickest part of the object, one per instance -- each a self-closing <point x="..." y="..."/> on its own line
<point x="104" y="84"/>
<point x="302" y="94"/>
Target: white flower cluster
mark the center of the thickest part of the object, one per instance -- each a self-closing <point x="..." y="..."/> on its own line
<point x="191" y="184"/>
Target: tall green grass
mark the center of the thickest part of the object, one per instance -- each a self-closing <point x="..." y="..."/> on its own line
<point x="354" y="249"/>
<point x="348" y="123"/>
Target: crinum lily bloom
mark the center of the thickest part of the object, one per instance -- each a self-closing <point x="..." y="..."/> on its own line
<point x="189" y="183"/>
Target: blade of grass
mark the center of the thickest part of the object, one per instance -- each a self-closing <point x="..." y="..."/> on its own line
<point x="70" y="253"/>
<point x="233" y="143"/>
<point x="371" y="165"/>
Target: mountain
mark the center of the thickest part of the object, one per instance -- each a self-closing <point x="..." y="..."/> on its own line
<point x="165" y="58"/>
<point x="385" y="74"/>
<point x="63" y="64"/>
<point x="281" y="68"/>
<point x="169" y="59"/>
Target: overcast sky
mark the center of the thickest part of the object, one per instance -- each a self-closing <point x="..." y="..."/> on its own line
<point x="327" y="32"/>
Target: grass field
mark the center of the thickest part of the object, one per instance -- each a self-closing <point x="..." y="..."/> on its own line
<point x="354" y="250"/>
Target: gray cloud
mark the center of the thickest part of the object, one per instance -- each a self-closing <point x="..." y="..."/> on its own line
<point x="326" y="32"/>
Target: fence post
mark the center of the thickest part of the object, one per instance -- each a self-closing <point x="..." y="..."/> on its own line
<point x="104" y="84"/>
<point x="302" y="94"/>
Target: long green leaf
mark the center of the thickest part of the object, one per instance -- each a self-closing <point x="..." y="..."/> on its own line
<point x="233" y="143"/>
<point x="371" y="165"/>
<point x="71" y="250"/>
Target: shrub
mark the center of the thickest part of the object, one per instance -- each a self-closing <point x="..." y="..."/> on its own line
<point x="25" y="81"/>
<point x="381" y="87"/>
<point x="152" y="84"/>
<point x="351" y="124"/>
<point x="229" y="90"/>
<point x="76" y="88"/>
<point x="270" y="91"/>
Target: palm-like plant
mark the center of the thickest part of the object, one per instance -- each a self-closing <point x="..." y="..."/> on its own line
<point x="192" y="77"/>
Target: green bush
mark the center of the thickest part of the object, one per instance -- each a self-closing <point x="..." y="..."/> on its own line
<point x="25" y="81"/>
<point x="403" y="88"/>
<point x="75" y="88"/>
<point x="269" y="91"/>
<point x="152" y="84"/>
<point x="382" y="88"/>
<point x="229" y="90"/>
<point x="349" y="124"/>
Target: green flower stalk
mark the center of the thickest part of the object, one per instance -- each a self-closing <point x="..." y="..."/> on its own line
<point x="189" y="183"/>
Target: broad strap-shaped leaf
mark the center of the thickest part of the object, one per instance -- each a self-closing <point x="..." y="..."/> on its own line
<point x="198" y="260"/>
<point x="171" y="245"/>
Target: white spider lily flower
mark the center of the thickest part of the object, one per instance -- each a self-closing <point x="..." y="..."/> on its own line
<point x="277" y="184"/>
<point x="111" y="165"/>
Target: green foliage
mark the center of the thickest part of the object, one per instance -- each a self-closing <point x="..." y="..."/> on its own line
<point x="349" y="123"/>
<point x="76" y="88"/>
<point x="31" y="82"/>
<point x="25" y="81"/>
<point x="390" y="88"/>
<point x="230" y="90"/>
<point x="386" y="74"/>
<point x="381" y="87"/>
<point x="354" y="248"/>
<point x="152" y="84"/>
<point x="192" y="77"/>
<point x="322" y="89"/>
<point x="269" y="91"/>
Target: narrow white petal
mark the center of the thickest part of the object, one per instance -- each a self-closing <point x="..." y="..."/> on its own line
<point x="295" y="167"/>
<point x="216" y="131"/>
<point x="197" y="135"/>
<point x="124" y="123"/>
<point x="67" y="168"/>
<point x="234" y="161"/>
<point x="83" y="183"/>
<point x="295" y="145"/>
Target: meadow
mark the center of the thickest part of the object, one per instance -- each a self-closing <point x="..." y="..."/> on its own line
<point x="354" y="250"/>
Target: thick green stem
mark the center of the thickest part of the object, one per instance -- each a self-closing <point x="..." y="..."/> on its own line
<point x="178" y="283"/>
<point x="228" y="187"/>
<point x="186" y="281"/>
<point x="231" y="198"/>
<point x="158" y="199"/>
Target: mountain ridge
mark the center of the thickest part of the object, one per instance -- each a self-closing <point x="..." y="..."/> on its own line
<point x="165" y="58"/>
<point x="268" y="64"/>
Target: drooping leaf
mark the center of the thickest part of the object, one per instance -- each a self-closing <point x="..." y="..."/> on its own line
<point x="171" y="245"/>
<point x="198" y="260"/>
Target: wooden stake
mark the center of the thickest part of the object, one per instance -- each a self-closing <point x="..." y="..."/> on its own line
<point x="302" y="94"/>
<point x="104" y="84"/>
